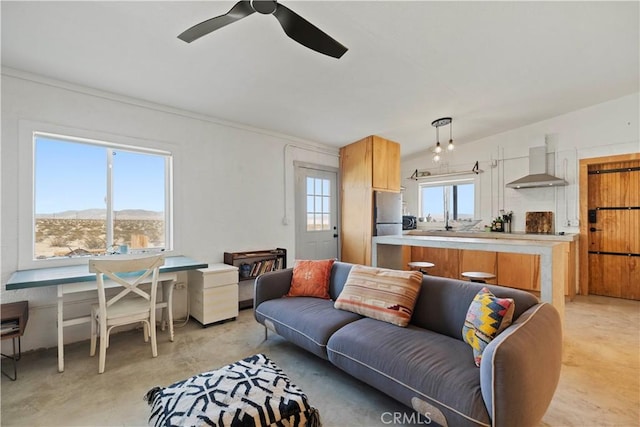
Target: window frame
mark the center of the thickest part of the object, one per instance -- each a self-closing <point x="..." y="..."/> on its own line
<point x="439" y="181"/>
<point x="28" y="130"/>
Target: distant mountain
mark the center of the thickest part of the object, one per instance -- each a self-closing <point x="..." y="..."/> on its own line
<point x="131" y="214"/>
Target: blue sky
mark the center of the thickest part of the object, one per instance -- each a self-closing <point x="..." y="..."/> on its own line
<point x="433" y="201"/>
<point x="72" y="176"/>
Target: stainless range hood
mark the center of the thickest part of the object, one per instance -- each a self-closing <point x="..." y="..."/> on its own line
<point x="538" y="176"/>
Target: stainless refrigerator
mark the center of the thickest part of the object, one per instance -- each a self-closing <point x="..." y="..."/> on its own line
<point x="387" y="213"/>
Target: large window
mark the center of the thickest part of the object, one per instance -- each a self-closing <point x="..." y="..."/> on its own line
<point x="94" y="197"/>
<point x="450" y="202"/>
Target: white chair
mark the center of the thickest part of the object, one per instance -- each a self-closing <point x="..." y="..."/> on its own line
<point x="138" y="306"/>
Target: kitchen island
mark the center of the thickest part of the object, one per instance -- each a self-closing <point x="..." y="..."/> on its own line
<point x="387" y="251"/>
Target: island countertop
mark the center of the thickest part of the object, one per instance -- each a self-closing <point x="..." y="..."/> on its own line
<point x="517" y="235"/>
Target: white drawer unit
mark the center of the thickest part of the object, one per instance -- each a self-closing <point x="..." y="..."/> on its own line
<point x="213" y="293"/>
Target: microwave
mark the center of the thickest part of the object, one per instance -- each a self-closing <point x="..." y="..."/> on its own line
<point x="409" y="222"/>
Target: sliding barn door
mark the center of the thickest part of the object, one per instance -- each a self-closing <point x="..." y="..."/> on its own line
<point x="614" y="229"/>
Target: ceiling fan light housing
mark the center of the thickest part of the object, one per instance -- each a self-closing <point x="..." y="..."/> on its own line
<point x="266" y="7"/>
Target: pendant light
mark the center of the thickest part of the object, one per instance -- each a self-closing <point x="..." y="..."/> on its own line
<point x="438" y="149"/>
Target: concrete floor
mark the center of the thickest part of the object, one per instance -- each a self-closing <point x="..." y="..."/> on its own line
<point x="599" y="384"/>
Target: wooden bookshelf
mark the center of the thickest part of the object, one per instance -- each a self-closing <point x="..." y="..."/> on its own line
<point x="252" y="264"/>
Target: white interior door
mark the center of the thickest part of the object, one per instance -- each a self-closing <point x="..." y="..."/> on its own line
<point x="316" y="199"/>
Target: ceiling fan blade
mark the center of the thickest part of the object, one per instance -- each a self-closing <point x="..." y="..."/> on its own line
<point x="307" y="34"/>
<point x="240" y="10"/>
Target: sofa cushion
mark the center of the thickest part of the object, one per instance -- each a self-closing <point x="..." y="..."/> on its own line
<point x="443" y="303"/>
<point x="311" y="278"/>
<point x="417" y="367"/>
<point x="339" y="274"/>
<point x="305" y="321"/>
<point x="380" y="293"/>
<point x="488" y="315"/>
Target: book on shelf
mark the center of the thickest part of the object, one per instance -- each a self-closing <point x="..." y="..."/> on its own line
<point x="265" y="266"/>
<point x="257" y="262"/>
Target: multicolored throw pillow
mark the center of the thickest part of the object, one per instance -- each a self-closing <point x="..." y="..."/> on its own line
<point x="487" y="316"/>
<point x="382" y="294"/>
<point x="311" y="278"/>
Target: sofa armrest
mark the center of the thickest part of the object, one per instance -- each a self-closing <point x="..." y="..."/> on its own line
<point x="520" y="368"/>
<point x="272" y="285"/>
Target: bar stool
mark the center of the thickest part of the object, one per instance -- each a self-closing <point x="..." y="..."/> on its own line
<point x="478" y="276"/>
<point x="420" y="266"/>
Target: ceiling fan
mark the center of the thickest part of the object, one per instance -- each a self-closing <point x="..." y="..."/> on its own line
<point x="295" y="26"/>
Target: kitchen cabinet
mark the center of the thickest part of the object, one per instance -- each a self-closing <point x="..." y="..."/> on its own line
<point x="572" y="270"/>
<point x="520" y="271"/>
<point x="372" y="162"/>
<point x="485" y="261"/>
<point x="452" y="262"/>
<point x="446" y="260"/>
<point x="385" y="164"/>
<point x="368" y="165"/>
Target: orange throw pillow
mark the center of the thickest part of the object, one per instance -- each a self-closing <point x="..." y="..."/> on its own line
<point x="311" y="278"/>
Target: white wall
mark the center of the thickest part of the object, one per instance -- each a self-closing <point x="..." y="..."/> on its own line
<point x="605" y="129"/>
<point x="229" y="180"/>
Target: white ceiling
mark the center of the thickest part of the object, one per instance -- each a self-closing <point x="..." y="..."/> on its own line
<point x="492" y="66"/>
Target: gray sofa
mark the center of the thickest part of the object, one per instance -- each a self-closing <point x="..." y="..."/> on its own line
<point x="427" y="366"/>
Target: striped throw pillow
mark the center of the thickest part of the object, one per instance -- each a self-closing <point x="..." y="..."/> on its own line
<point x="382" y="294"/>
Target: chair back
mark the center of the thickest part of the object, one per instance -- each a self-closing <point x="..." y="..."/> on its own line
<point x="128" y="272"/>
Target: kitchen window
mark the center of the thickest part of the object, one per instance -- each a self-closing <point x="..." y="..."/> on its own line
<point x="447" y="203"/>
<point x="95" y="197"/>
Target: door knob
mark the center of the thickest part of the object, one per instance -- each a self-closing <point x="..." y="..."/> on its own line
<point x="335" y="234"/>
<point x="595" y="229"/>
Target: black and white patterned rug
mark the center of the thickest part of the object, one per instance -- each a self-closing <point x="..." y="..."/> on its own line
<point x="250" y="392"/>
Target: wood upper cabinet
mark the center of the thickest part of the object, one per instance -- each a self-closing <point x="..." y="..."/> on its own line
<point x="368" y="165"/>
<point x="372" y="162"/>
<point x="385" y="164"/>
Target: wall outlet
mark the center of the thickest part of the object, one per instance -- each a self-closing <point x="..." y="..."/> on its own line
<point x="573" y="223"/>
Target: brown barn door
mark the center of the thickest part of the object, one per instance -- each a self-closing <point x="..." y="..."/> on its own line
<point x="614" y="229"/>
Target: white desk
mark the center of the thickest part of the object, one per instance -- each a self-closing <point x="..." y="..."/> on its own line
<point x="76" y="279"/>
